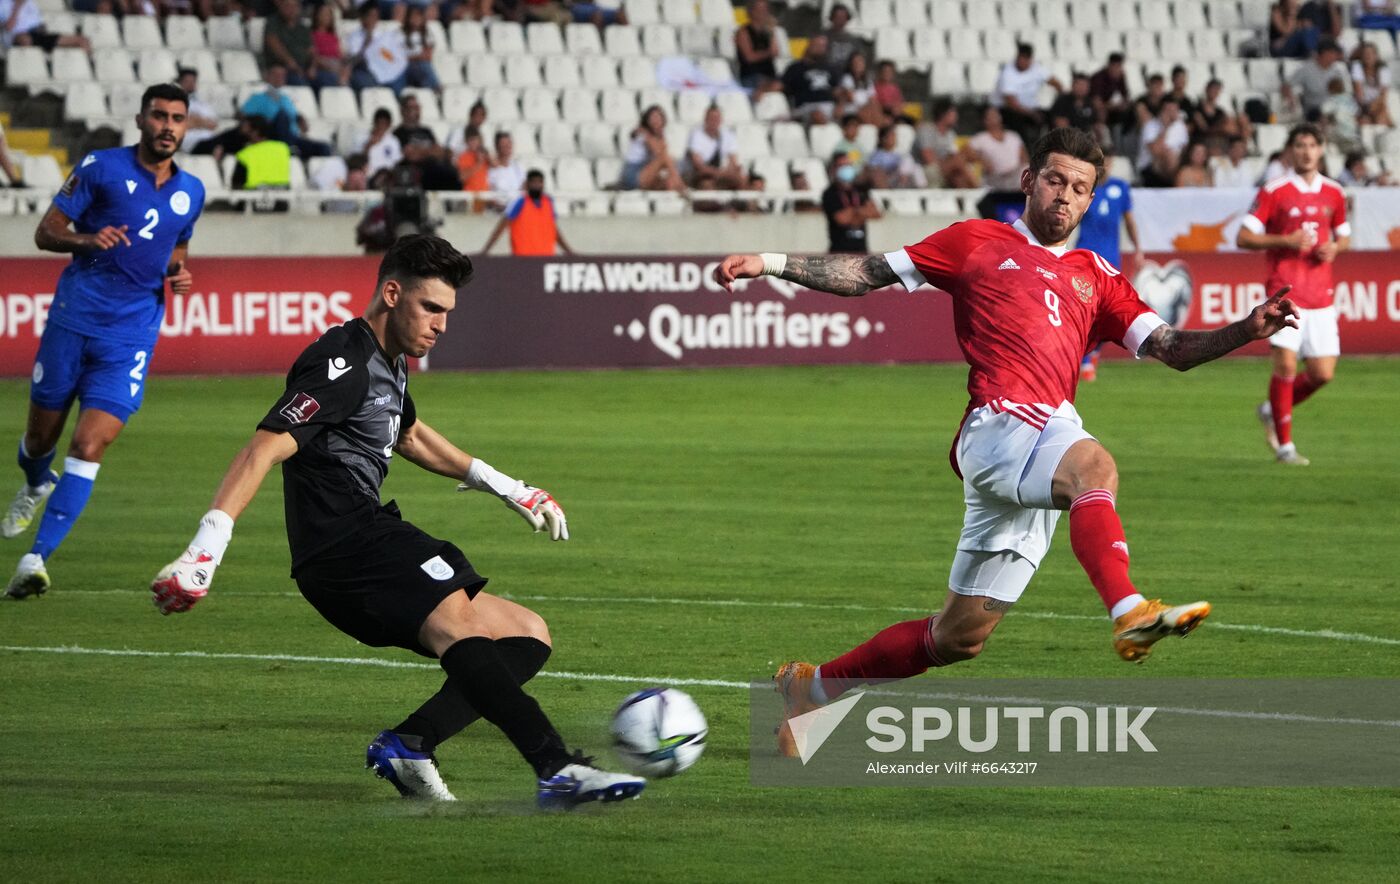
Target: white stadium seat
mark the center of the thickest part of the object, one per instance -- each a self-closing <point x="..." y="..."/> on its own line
<point x="26" y="65"/>
<point x="790" y="141"/>
<point x="656" y="97"/>
<point x="427" y="102"/>
<point x="999" y="46"/>
<point x="203" y="61"/>
<point x="522" y="71"/>
<point x="1087" y="15"/>
<point x="638" y="73"/>
<point x="892" y="43"/>
<point x="84" y="101"/>
<point x="539" y="104"/>
<point x="948" y="77"/>
<point x="598" y="139"/>
<point x="338" y="104"/>
<point x="772" y="106"/>
<point x="152" y="66"/>
<point x="659" y="40"/>
<point x="467" y="37"/>
<point x="101" y="30"/>
<point x="691" y="106"/>
<point x="600" y="72"/>
<point x="911" y="13"/>
<point x="457" y="102"/>
<point x="375" y="97"/>
<point x="607" y="171"/>
<point x="184" y="32"/>
<point x="1122" y="16"/>
<point x="697" y="40"/>
<point x="574" y="174"/>
<point x="965" y="44"/>
<point x="619" y="106"/>
<point x="753" y="141"/>
<point x="930" y="44"/>
<point x="719" y="13"/>
<point x="238" y="66"/>
<point x="823" y="139"/>
<point x="141" y="32"/>
<point x="1141" y="46"/>
<point x="643" y="12"/>
<point x="484" y="71"/>
<point x="679" y="12"/>
<point x="544" y="38"/>
<point x="582" y="40"/>
<point x="1051" y="15"/>
<point x="226" y="32"/>
<point x="502" y="103"/>
<point x="735" y="107"/>
<point x="578" y="104"/>
<point x="557" y="140"/>
<point x="622" y="40"/>
<point x="42" y="170"/>
<point x="506" y="38"/>
<point x="983" y="16"/>
<point x="773" y="171"/>
<point x="946" y="14"/>
<point x="70" y="65"/>
<point x="561" y="71"/>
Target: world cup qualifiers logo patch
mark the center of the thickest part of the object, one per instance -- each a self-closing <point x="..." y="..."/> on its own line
<point x="300" y="409"/>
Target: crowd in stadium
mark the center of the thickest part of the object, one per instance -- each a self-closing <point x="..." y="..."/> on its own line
<point x="371" y="96"/>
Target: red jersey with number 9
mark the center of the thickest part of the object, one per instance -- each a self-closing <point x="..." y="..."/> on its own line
<point x="1024" y="314"/>
<point x="1287" y="204"/>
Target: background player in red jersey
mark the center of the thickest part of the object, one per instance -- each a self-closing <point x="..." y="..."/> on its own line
<point x="1025" y="308"/>
<point x="1301" y="220"/>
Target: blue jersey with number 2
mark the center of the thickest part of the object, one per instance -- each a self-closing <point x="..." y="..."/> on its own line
<point x="119" y="293"/>
<point x="1099" y="229"/>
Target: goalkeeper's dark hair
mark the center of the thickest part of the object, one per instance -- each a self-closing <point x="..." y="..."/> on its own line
<point x="1070" y="142"/>
<point x="167" y="91"/>
<point x="422" y="256"/>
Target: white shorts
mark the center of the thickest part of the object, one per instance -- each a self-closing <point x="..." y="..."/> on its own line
<point x="1316" y="334"/>
<point x="1008" y="462"/>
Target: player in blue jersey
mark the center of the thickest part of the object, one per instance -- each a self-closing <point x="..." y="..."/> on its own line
<point x="126" y="215"/>
<point x="1099" y="232"/>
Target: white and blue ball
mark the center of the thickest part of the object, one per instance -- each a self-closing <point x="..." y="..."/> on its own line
<point x="659" y="732"/>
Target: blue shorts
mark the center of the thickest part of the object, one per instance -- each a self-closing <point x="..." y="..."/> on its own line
<point x="103" y="374"/>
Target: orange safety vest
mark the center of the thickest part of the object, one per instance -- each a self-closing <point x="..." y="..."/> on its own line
<point x="532" y="228"/>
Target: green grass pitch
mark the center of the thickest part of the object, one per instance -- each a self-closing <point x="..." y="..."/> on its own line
<point x="819" y="486"/>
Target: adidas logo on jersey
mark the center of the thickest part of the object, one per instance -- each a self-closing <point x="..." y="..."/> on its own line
<point x="1009" y="264"/>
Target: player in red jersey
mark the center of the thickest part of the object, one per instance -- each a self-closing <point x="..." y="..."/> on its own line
<point x="1301" y="219"/>
<point x="1025" y="309"/>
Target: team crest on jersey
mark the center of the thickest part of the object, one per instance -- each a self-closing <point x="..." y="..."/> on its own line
<point x="1084" y="289"/>
<point x="180" y="202"/>
<point x="300" y="409"/>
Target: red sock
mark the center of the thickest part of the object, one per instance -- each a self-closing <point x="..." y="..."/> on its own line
<point x="1303" y="387"/>
<point x="1281" y="401"/>
<point x="899" y="651"/>
<point x="1096" y="535"/>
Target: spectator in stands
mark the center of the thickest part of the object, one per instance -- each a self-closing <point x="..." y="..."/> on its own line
<point x="375" y="54"/>
<point x="1379" y="15"/>
<point x="1370" y="78"/>
<point x="1289" y="35"/>
<point x="1309" y="85"/>
<point x="264" y="161"/>
<point x="13" y="177"/>
<point x="1193" y="166"/>
<point x="275" y="106"/>
<point x="849" y="142"/>
<point x="533" y="223"/>
<point x="809" y="85"/>
<point x="756" y="45"/>
<point x="1325" y="16"/>
<point x="375" y="232"/>
<point x="331" y="68"/>
<point x="1149" y="104"/>
<point x="287" y="42"/>
<point x="797" y="180"/>
<point x="420" y="50"/>
<point x="1075" y="109"/>
<point x="1339" y="116"/>
<point x="848" y="208"/>
<point x="1180" y="94"/>
<point x="890" y="167"/>
<point x="380" y="146"/>
<point x="23" y="25"/>
<point x="1280" y="164"/>
<point x="1163" y="137"/>
<point x="888" y="93"/>
<point x="473" y="164"/>
<point x="506" y="176"/>
<point x="1017" y="93"/>
<point x="420" y="146"/>
<point x="476" y="119"/>
<point x="647" y="162"/>
<point x="1355" y="173"/>
<point x="201" y="118"/>
<point x="1108" y="88"/>
<point x="856" y="93"/>
<point x="1214" y="122"/>
<point x="712" y="155"/>
<point x="1000" y="152"/>
<point x="1234" y="169"/>
<point x="936" y="146"/>
<point x="841" y="44"/>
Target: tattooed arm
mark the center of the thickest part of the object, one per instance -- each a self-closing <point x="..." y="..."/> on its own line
<point x="1188" y="349"/>
<point x="845" y="275"/>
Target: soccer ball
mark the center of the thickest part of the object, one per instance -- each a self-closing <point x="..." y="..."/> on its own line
<point x="659" y="732"/>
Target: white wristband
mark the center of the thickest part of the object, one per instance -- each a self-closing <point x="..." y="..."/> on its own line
<point x="773" y="263"/>
<point x="481" y="476"/>
<point x="215" y="532"/>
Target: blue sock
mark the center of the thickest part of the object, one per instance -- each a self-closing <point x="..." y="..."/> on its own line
<point x="65" y="505"/>
<point x="36" y="469"/>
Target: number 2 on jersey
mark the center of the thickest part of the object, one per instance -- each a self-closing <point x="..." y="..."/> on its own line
<point x="154" y="218"/>
<point x="394" y="423"/>
<point x="1052" y="301"/>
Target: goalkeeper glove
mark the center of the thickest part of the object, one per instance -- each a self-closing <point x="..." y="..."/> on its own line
<point x="185" y="581"/>
<point x="535" y="505"/>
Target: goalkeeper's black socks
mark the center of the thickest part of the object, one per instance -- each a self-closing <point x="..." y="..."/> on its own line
<point x="477" y="669"/>
<point x="447" y="712"/>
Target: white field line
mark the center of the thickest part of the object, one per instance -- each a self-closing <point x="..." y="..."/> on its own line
<point x="679" y="682"/>
<point x="1324" y="634"/>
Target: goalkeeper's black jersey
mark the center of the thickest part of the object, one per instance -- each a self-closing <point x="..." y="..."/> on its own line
<point x="345" y="405"/>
